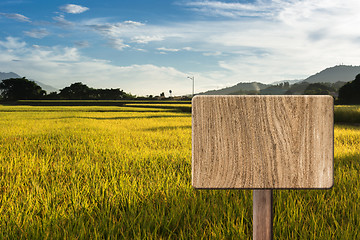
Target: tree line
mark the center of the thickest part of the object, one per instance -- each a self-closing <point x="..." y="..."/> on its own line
<point x="23" y="89"/>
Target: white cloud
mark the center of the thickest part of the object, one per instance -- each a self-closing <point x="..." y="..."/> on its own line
<point x="37" y="33"/>
<point x="140" y="50"/>
<point x="16" y="16"/>
<point x="126" y="32"/>
<point x="118" y="44"/>
<point x="119" y="29"/>
<point x="147" y="38"/>
<point x="285" y="39"/>
<point x="60" y="20"/>
<point x="51" y="54"/>
<point x="165" y="50"/>
<point x="133" y="23"/>
<point x="291" y="12"/>
<point x="74" y="9"/>
<point x="216" y="53"/>
<point x="61" y="66"/>
<point x="12" y="43"/>
<point x="218" y="8"/>
<point x="168" y="49"/>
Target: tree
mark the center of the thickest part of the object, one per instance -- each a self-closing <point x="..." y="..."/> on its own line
<point x="286" y="85"/>
<point x="318" y="89"/>
<point x="80" y="91"/>
<point x="350" y="92"/>
<point x="20" y="89"/>
<point x="106" y="94"/>
<point x="77" y="91"/>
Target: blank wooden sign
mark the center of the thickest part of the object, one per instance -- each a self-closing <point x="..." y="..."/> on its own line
<point x="262" y="142"/>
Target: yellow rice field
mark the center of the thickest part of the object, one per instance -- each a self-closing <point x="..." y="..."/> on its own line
<point x="125" y="173"/>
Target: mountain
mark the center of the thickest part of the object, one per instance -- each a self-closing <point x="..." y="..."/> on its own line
<point x="343" y="73"/>
<point x="238" y="89"/>
<point x="8" y="75"/>
<point x="45" y="87"/>
<point x="336" y="76"/>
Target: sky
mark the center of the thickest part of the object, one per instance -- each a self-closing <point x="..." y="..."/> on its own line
<point x="146" y="47"/>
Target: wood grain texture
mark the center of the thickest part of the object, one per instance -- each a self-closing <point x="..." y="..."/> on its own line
<point x="262" y="142"/>
<point x="262" y="214"/>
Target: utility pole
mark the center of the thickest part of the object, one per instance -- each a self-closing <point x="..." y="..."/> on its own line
<point x="193" y="84"/>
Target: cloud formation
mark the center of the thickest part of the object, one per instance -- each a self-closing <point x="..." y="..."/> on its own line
<point x="168" y="49"/>
<point x="224" y="43"/>
<point x="128" y="31"/>
<point x="16" y="16"/>
<point x="12" y="43"/>
<point x="147" y="38"/>
<point x="74" y="9"/>
<point x="37" y="33"/>
<point x="61" y="21"/>
<point x="259" y="8"/>
<point x="281" y="38"/>
<point x="118" y="44"/>
<point x="64" y="64"/>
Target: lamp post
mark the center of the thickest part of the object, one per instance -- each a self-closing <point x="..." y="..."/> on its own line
<point x="193" y="84"/>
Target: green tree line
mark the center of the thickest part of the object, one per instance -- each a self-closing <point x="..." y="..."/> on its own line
<point x="23" y="89"/>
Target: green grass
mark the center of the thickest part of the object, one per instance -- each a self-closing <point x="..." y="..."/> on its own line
<point x="125" y="173"/>
<point x="79" y="109"/>
<point x="347" y="114"/>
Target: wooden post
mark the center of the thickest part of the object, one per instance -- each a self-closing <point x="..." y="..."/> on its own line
<point x="262" y="214"/>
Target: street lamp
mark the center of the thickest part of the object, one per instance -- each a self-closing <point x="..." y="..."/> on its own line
<point x="193" y="84"/>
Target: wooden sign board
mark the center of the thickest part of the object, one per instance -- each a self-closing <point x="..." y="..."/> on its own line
<point x="262" y="142"/>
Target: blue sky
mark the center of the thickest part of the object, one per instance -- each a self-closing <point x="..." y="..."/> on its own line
<point x="148" y="47"/>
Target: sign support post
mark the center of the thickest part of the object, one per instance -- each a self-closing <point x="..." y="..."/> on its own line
<point x="262" y="214"/>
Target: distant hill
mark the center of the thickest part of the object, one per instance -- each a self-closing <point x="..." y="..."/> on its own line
<point x="289" y="81"/>
<point x="45" y="87"/>
<point x="335" y="74"/>
<point x="298" y="88"/>
<point x="238" y="89"/>
<point x="273" y="90"/>
<point x="4" y="75"/>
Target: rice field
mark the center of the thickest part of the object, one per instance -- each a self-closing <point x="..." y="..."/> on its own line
<point x="109" y="172"/>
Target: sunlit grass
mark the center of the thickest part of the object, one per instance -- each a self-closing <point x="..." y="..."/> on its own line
<point x="105" y="172"/>
<point x="25" y="108"/>
<point x="325" y="214"/>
